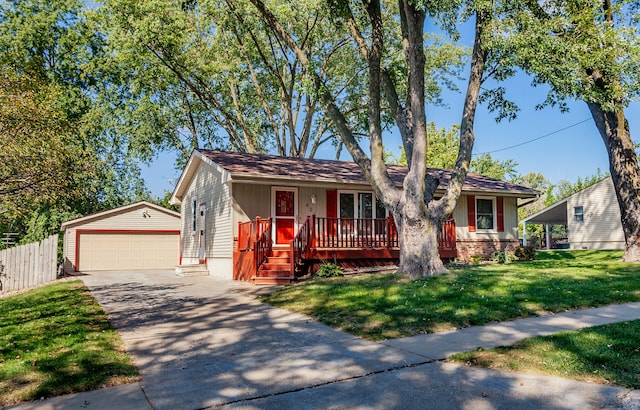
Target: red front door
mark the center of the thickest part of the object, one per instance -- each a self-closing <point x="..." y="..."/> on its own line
<point x="285" y="216"/>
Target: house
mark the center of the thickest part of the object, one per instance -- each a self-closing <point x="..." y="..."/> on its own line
<point x="132" y="237"/>
<point x="262" y="217"/>
<point x="592" y="218"/>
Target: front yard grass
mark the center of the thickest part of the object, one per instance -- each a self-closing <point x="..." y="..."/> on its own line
<point x="608" y="354"/>
<point x="385" y="306"/>
<point x="56" y="340"/>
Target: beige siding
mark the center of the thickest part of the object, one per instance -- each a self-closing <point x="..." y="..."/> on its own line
<point x="207" y="187"/>
<point x="601" y="228"/>
<point x="305" y="205"/>
<point x="510" y="221"/>
<point x="127" y="219"/>
<point x="250" y="201"/>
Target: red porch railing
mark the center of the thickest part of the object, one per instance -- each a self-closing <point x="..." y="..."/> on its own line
<point x="303" y="242"/>
<point x="358" y="233"/>
<point x="353" y="233"/>
<point x="256" y="236"/>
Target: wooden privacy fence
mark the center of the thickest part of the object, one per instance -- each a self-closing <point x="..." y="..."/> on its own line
<point x="29" y="265"/>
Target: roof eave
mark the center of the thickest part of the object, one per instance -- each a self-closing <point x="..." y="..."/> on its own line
<point x="242" y="177"/>
<point x="159" y="208"/>
<point x="545" y="210"/>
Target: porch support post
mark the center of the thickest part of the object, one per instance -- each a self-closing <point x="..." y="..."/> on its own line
<point x="548" y="235"/>
<point x="312" y="240"/>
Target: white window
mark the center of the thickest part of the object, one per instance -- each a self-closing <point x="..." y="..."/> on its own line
<point x="578" y="213"/>
<point x="485" y="214"/>
<point x="360" y="205"/>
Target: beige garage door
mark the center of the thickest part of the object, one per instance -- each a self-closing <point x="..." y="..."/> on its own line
<point x="121" y="251"/>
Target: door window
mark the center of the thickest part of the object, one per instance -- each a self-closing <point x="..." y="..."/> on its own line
<point x="284" y="203"/>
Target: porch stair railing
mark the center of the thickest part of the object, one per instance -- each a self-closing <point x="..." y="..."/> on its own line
<point x="256" y="236"/>
<point x="302" y="243"/>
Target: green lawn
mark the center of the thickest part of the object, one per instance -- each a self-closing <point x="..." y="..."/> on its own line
<point x="608" y="354"/>
<point x="56" y="340"/>
<point x="386" y="306"/>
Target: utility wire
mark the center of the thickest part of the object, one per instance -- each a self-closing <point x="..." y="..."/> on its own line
<point x="535" y="139"/>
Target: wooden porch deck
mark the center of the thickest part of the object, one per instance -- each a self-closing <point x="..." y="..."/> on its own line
<point x="349" y="242"/>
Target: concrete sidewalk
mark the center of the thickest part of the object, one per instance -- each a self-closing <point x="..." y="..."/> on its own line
<point x="203" y="342"/>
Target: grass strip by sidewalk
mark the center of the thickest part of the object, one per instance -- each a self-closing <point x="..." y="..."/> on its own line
<point x="384" y="306"/>
<point x="607" y="354"/>
<point x="56" y="340"/>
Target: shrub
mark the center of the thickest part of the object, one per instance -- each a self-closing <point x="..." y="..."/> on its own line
<point x="329" y="270"/>
<point x="502" y="257"/>
<point x="499" y="257"/>
<point x="525" y="253"/>
<point x="476" y="259"/>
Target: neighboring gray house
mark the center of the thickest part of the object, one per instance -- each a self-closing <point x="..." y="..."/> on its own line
<point x="592" y="218"/>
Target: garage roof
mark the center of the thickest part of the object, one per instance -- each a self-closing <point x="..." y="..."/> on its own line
<point x="109" y="212"/>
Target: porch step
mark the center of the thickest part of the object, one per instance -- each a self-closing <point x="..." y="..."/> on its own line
<point x="269" y="265"/>
<point x="192" y="270"/>
<point x="280" y="253"/>
<point x="276" y="280"/>
<point x="277" y="260"/>
<point x="275" y="272"/>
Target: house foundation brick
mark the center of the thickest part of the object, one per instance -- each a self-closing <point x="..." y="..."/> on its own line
<point x="484" y="248"/>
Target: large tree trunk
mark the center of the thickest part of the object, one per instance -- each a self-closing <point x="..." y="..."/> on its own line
<point x="623" y="165"/>
<point x="418" y="240"/>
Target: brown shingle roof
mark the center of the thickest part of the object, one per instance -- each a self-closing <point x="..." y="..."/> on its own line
<point x="271" y="166"/>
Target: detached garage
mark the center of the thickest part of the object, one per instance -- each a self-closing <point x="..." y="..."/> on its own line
<point x="133" y="237"/>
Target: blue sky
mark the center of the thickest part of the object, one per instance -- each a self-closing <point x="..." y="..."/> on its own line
<point x="567" y="154"/>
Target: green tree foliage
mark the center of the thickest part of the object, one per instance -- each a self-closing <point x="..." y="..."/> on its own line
<point x="210" y="75"/>
<point x="56" y="161"/>
<point x="39" y="162"/>
<point x="486" y="165"/>
<point x="442" y="150"/>
<point x="442" y="153"/>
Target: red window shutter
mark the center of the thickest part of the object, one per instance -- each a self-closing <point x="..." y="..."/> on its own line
<point x="332" y="203"/>
<point x="332" y="211"/>
<point x="471" y="212"/>
<point x="500" y="212"/>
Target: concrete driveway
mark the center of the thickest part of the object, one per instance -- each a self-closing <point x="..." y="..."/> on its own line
<point x="203" y="342"/>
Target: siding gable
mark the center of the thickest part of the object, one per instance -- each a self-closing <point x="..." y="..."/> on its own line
<point x="601" y="227"/>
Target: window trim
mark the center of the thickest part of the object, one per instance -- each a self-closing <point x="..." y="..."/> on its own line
<point x="355" y="192"/>
<point x="577" y="214"/>
<point x="494" y="215"/>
